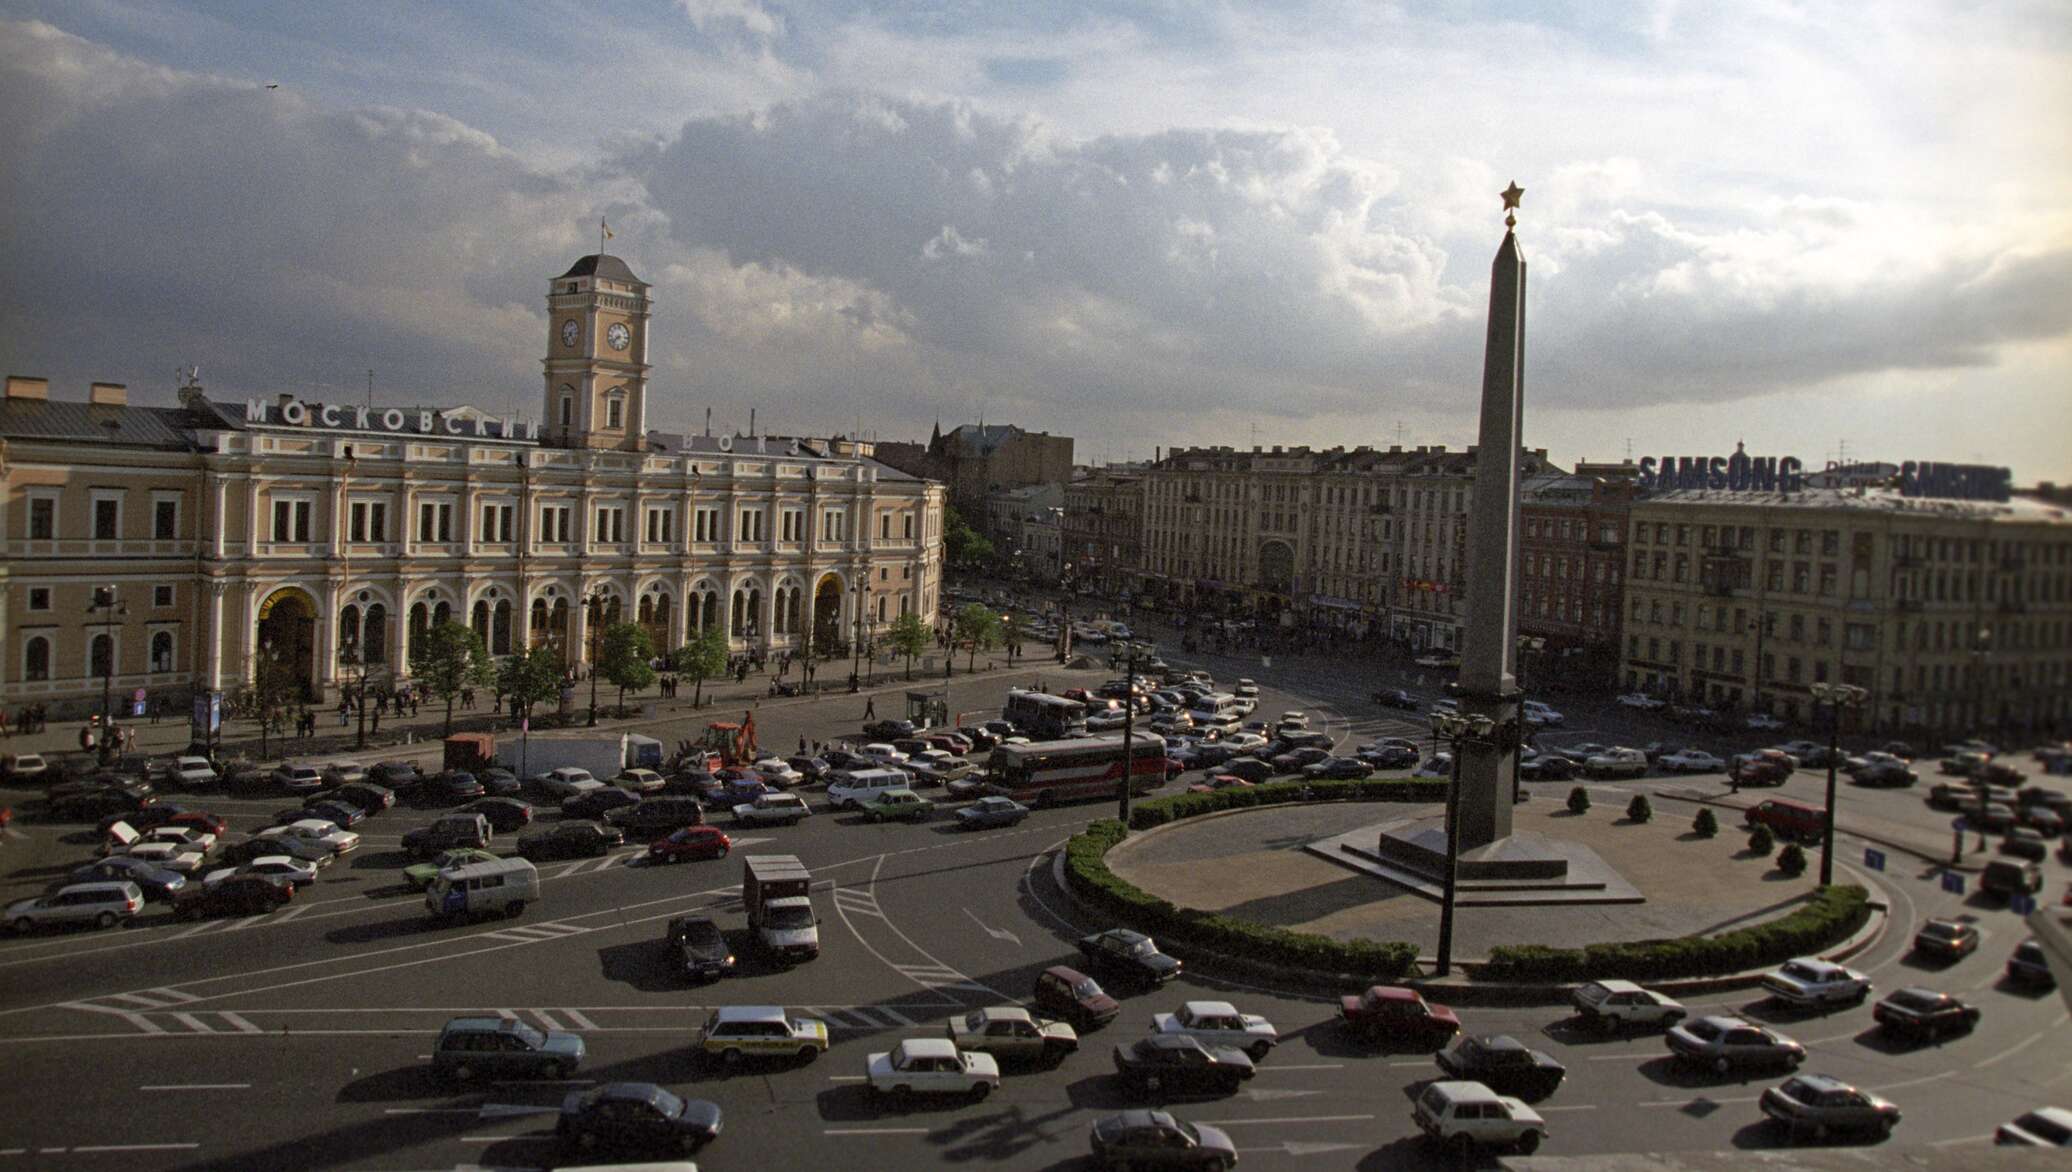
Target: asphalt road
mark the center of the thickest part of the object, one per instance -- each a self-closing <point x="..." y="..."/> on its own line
<point x="299" y="1039"/>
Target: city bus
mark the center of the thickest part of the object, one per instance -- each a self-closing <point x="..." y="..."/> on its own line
<point x="1042" y="716"/>
<point x="1046" y="772"/>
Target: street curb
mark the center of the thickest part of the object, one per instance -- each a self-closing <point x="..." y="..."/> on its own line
<point x="1452" y="990"/>
<point x="1939" y="860"/>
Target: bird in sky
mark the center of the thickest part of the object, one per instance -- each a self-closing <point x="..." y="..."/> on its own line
<point x="273" y="85"/>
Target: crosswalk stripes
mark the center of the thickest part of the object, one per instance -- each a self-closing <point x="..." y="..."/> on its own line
<point x="858" y="901"/>
<point x="160" y="998"/>
<point x="549" y="1021"/>
<point x="860" y="1017"/>
<point x="536" y="933"/>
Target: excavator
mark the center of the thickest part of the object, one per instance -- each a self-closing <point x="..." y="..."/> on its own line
<point x="724" y="744"/>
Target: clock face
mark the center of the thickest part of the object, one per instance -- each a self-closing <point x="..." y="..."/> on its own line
<point x="570" y="331"/>
<point x="618" y="335"/>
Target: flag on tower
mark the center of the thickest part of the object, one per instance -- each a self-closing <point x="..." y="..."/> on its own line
<point x="604" y="227"/>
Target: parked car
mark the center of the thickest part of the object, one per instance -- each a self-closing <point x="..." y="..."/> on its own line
<point x="1763" y="722"/>
<point x="597" y="803"/>
<point x="1009" y="1032"/>
<point x="570" y="840"/>
<point x="2025" y="843"/>
<point x="691" y="842"/>
<point x="1618" y="762"/>
<point x="1467" y="1116"/>
<point x="1075" y="996"/>
<point x="640" y="781"/>
<point x="1154" y="1139"/>
<point x="505" y="815"/>
<point x="734" y="1033"/>
<point x="636" y="1115"/>
<point x="342" y="814"/>
<point x="98" y="799"/>
<point x="156" y="882"/>
<point x="776" y="809"/>
<point x="1163" y="1063"/>
<point x="1791" y="821"/>
<point x="564" y="782"/>
<point x="2045" y="1127"/>
<point x="661" y="814"/>
<point x="1723" y="1043"/>
<point x="2006" y="878"/>
<point x="279" y="868"/>
<point x="1128" y="953"/>
<point x="300" y="778"/>
<point x="419" y="875"/>
<point x="448" y="831"/>
<point x="103" y="904"/>
<point x="931" y="1066"/>
<point x="448" y="787"/>
<point x="1218" y="1023"/>
<point x="500" y="782"/>
<point x="900" y="805"/>
<point x="1614" y="1004"/>
<point x="1547" y="767"/>
<point x="317" y="830"/>
<point x="367" y="795"/>
<point x="235" y="895"/>
<point x="1338" y="769"/>
<point x="1690" y="761"/>
<point x="1817" y="1105"/>
<point x="2027" y="966"/>
<point x="698" y="947"/>
<point x="1397" y="698"/>
<point x="1399" y="1016"/>
<point x="1924" y="1013"/>
<point x="1641" y="701"/>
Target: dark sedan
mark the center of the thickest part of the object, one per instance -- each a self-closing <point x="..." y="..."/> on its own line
<point x="1162" y="1063"/>
<point x="237" y="895"/>
<point x="96" y="800"/>
<point x="1251" y="769"/>
<point x="569" y="840"/>
<point x="1338" y="769"/>
<point x="1397" y="698"/>
<point x="300" y="849"/>
<point x="149" y="818"/>
<point x="366" y="795"/>
<point x="345" y="814"/>
<point x="1388" y="756"/>
<point x="1133" y="955"/>
<point x="1295" y="760"/>
<point x="505" y="814"/>
<point x="1547" y="767"/>
<point x="980" y="738"/>
<point x="449" y="787"/>
<point x="499" y="782"/>
<point x="1154" y="1139"/>
<point x="637" y="1115"/>
<point x="597" y="802"/>
<point x="156" y="883"/>
<point x="697" y="945"/>
<point x="813" y="769"/>
<point x="1503" y="1064"/>
<point x="1924" y="1013"/>
<point x="1948" y="940"/>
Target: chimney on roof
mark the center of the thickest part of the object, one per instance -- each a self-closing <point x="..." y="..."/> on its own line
<point x="19" y="387"/>
<point x="108" y="394"/>
<point x="282" y="400"/>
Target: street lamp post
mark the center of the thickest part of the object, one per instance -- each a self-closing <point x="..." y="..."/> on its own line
<point x="1129" y="737"/>
<point x="1836" y="697"/>
<point x="1526" y="643"/>
<point x="262" y="687"/>
<point x="595" y="617"/>
<point x="1980" y="646"/>
<point x="110" y="610"/>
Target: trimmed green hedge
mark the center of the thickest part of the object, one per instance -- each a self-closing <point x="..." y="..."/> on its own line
<point x="1830" y="916"/>
<point x="1092" y="881"/>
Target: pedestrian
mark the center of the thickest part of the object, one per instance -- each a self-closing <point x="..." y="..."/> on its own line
<point x="345" y="710"/>
<point x="802" y="746"/>
<point x="86" y="736"/>
<point x="157" y="708"/>
<point x="129" y="738"/>
<point x="870" y="708"/>
<point x="4" y="730"/>
<point x="375" y="727"/>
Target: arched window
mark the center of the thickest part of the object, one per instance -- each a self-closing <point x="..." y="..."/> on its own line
<point x="442" y="614"/>
<point x="349" y="629"/>
<point x="101" y="656"/>
<point x="480" y="620"/>
<point x="36" y="659"/>
<point x="500" y="629"/>
<point x="881" y="615"/>
<point x="615" y="411"/>
<point x="539" y="620"/>
<point x="374" y="635"/>
<point x="162" y="651"/>
<point x="568" y="406"/>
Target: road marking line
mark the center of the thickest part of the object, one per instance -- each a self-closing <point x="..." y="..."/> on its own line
<point x="549" y="1021"/>
<point x="1292" y="1119"/>
<point x="898" y="1018"/>
<point x="1708" y="1099"/>
<point x="246" y="922"/>
<point x="198" y="929"/>
<point x="1578" y="1107"/>
<point x="499" y="1139"/>
<point x="198" y="1086"/>
<point x="291" y="913"/>
<point x="875" y="1131"/>
<point x="507" y="1014"/>
<point x="431" y="1111"/>
<point x="238" y="1023"/>
<point x="131" y="1148"/>
<point x="192" y="1022"/>
<point x="582" y="1023"/>
<point x="2020" y="1046"/>
<point x="1306" y="1066"/>
<point x="847" y="1077"/>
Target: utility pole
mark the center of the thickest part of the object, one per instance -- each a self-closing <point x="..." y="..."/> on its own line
<point x="1129" y="737"/>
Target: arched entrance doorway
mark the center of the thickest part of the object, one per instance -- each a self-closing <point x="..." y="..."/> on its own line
<point x="287" y="634"/>
<point x="1276" y="567"/>
<point x="827" y="616"/>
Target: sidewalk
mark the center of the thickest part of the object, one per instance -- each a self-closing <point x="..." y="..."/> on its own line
<point x="404" y="736"/>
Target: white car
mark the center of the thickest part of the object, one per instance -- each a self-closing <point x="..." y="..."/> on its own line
<point x="343" y="772"/>
<point x="1293" y="720"/>
<point x="1764" y="722"/>
<point x="1469" y="1115"/>
<point x="773" y="809"/>
<point x="1691" y="761"/>
<point x="1539" y="714"/>
<point x="641" y="781"/>
<point x="1642" y="701"/>
<point x="317" y="830"/>
<point x="1810" y="983"/>
<point x="1245" y="689"/>
<point x="931" y="1066"/>
<point x="774" y="771"/>
<point x="186" y="836"/>
<point x="194" y="771"/>
<point x="1612" y="1005"/>
<point x="176" y="857"/>
<point x="2045" y="1127"/>
<point x="299" y="778"/>
<point x="882" y="753"/>
<point x="1244" y="742"/>
<point x="1438" y="765"/>
<point x="566" y="782"/>
<point x="1218" y="1023"/>
<point x="24" y="768"/>
<point x="1617" y="763"/>
<point x="277" y="866"/>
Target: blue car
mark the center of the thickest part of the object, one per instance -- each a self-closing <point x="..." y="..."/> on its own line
<point x="991" y="811"/>
<point x="156" y="883"/>
<point x="636" y="1115"/>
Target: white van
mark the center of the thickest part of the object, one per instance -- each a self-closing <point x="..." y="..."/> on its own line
<point x="1219" y="704"/>
<point x="503" y="887"/>
<point x="853" y="787"/>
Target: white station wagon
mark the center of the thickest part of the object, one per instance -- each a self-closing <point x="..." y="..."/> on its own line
<point x="1218" y="1023"/>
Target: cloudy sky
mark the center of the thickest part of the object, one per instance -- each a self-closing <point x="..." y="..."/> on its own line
<point x="1801" y="225"/>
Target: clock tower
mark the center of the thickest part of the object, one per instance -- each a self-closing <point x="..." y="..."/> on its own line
<point x="596" y="366"/>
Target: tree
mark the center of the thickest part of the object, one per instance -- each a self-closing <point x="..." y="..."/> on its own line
<point x="977" y="627"/>
<point x="1579" y="800"/>
<point x="909" y="637"/>
<point x="274" y="690"/>
<point x="1639" y="809"/>
<point x="625" y="658"/>
<point x="449" y="658"/>
<point x="961" y="544"/>
<point x="705" y="655"/>
<point x="1760" y="840"/>
<point x="530" y="677"/>
<point x="1792" y="860"/>
<point x="1705" y="825"/>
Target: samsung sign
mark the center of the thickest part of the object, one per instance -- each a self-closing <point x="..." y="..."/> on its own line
<point x="339" y="417"/>
<point x="1739" y="472"/>
<point x="1963" y="482"/>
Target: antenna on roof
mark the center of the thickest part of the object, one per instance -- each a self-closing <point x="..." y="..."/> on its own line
<point x="370" y="386"/>
<point x="708" y="423"/>
<point x="751" y="423"/>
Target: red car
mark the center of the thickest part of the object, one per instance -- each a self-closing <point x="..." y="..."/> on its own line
<point x="200" y="820"/>
<point x="949" y="743"/>
<point x="1399" y="1016"/>
<point x="1219" y="781"/>
<point x="691" y="842"/>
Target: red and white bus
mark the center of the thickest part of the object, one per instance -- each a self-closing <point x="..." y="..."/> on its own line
<point x="1046" y="772"/>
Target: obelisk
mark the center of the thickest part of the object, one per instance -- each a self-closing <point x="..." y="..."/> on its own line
<point x="1488" y="685"/>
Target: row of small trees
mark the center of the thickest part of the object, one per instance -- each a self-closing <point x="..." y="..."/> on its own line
<point x="452" y="658"/>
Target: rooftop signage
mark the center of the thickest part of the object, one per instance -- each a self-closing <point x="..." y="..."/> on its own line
<point x="1739" y="472"/>
<point x="431" y="422"/>
<point x="1961" y="482"/>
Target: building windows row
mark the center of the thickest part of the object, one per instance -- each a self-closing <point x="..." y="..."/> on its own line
<point x="39" y="652"/>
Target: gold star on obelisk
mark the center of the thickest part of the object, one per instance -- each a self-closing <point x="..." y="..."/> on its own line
<point x="1512" y="195"/>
